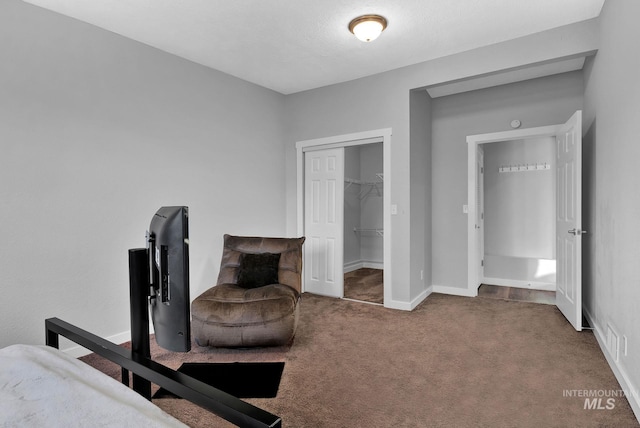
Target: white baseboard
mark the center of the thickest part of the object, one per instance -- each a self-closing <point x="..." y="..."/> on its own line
<point x="455" y="291"/>
<point x="373" y="265"/>
<point x="408" y="306"/>
<point x="76" y="351"/>
<point x="351" y="266"/>
<point x="359" y="264"/>
<point x="533" y="285"/>
<point x="631" y="391"/>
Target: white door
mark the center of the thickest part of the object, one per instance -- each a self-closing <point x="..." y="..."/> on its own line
<point x="323" y="222"/>
<point x="569" y="220"/>
<point x="480" y="211"/>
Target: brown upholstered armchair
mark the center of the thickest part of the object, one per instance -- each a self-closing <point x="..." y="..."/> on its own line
<point x="255" y="301"/>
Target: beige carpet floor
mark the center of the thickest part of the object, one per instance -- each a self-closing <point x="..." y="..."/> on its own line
<point x="364" y="284"/>
<point x="452" y="362"/>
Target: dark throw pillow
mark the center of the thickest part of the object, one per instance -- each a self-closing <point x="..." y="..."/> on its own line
<point x="257" y="270"/>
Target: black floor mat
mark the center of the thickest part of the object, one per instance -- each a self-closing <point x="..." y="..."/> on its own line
<point x="242" y="380"/>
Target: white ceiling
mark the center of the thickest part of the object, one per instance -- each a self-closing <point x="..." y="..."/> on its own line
<point x="295" y="45"/>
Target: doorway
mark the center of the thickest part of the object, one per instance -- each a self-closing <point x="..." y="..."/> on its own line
<point x="363" y="223"/>
<point x="319" y="259"/>
<point x="568" y="214"/>
<point x="516" y="189"/>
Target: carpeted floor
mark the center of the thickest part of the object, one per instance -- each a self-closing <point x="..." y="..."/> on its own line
<point x="364" y="284"/>
<point x="451" y="362"/>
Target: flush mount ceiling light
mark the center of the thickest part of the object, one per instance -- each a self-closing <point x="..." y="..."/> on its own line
<point x="367" y="27"/>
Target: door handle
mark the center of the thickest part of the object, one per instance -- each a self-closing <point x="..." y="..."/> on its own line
<point x="577" y="231"/>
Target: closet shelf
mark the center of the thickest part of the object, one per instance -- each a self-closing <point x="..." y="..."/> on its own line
<point x="379" y="232"/>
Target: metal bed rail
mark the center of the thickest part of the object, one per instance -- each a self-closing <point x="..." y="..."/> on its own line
<point x="216" y="401"/>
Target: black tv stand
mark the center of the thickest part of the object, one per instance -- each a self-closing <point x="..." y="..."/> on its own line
<point x="139" y="292"/>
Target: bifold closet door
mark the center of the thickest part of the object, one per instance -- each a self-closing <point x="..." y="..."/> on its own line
<point x="323" y="222"/>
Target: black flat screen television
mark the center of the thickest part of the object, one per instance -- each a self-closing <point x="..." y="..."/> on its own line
<point x="168" y="247"/>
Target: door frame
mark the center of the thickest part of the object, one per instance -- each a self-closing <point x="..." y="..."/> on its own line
<point x="473" y="255"/>
<point x="480" y="206"/>
<point x="346" y="140"/>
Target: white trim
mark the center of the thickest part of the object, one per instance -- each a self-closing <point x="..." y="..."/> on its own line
<point x="307" y="146"/>
<point x="366" y="137"/>
<point x="516" y="134"/>
<point x="455" y="291"/>
<point x="373" y="265"/>
<point x="408" y="306"/>
<point x="473" y="279"/>
<point x="518" y="283"/>
<point x="631" y="391"/>
<point x="351" y="266"/>
<point x="360" y="264"/>
<point x="344" y="140"/>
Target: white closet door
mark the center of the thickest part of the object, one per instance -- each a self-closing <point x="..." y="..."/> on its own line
<point x="324" y="218"/>
<point x="569" y="220"/>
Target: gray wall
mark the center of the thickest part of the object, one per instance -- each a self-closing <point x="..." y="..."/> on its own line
<point x="520" y="207"/>
<point x="97" y="132"/>
<point x="539" y="102"/>
<point x="611" y="268"/>
<point x="421" y="164"/>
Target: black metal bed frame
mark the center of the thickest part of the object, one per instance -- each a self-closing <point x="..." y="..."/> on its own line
<point x="219" y="402"/>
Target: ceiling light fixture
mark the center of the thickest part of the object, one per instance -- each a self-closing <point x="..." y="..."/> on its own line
<point x="368" y="27"/>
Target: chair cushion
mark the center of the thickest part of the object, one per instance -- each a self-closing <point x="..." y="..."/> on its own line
<point x="290" y="250"/>
<point x="232" y="305"/>
<point x="258" y="270"/>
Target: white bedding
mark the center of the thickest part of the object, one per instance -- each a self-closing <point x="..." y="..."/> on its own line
<point x="41" y="386"/>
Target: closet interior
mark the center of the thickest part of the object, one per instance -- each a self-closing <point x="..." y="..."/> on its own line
<point x="363" y="223"/>
<point x="519" y="213"/>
